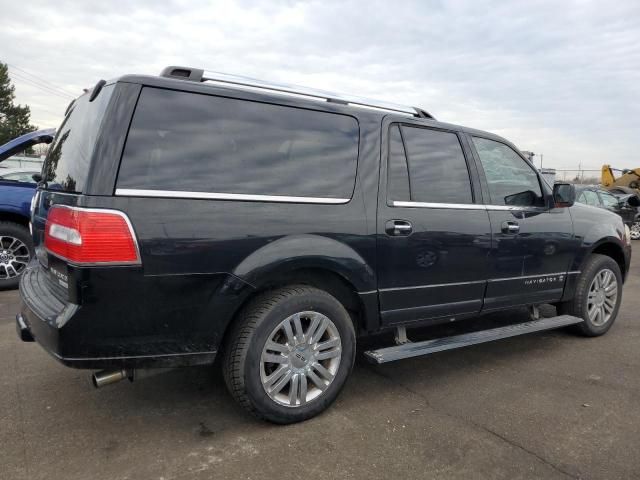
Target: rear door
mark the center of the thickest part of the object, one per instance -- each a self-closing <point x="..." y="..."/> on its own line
<point x="531" y="244"/>
<point x="433" y="231"/>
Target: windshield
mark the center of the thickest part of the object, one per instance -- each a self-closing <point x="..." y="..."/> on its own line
<point x="67" y="163"/>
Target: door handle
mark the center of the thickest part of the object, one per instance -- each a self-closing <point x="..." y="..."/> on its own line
<point x="398" y="227"/>
<point x="510" y="227"/>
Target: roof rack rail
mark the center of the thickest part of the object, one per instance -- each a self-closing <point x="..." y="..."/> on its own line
<point x="199" y="75"/>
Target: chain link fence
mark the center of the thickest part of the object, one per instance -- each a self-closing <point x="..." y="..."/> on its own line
<point x="585" y="177"/>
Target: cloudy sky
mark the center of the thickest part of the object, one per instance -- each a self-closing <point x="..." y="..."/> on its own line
<point x="557" y="78"/>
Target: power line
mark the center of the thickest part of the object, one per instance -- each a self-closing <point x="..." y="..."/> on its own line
<point x="42" y="81"/>
<point x="41" y="87"/>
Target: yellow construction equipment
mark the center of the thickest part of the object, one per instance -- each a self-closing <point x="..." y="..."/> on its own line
<point x="627" y="182"/>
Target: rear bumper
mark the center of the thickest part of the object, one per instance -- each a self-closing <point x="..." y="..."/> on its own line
<point x="70" y="333"/>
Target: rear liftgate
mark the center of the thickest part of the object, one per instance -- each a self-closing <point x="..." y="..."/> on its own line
<point x="405" y="348"/>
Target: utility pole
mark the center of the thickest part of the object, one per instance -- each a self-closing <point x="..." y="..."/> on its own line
<point x="541" y="160"/>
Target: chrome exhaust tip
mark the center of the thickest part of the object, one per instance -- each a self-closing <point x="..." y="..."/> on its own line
<point x="106" y="377"/>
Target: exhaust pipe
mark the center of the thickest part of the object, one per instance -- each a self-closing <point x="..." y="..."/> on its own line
<point x="106" y="377"/>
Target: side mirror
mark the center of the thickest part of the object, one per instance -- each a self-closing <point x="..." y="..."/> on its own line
<point x="36" y="177"/>
<point x="564" y="194"/>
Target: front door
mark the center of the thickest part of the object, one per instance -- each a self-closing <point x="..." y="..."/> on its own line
<point x="532" y="244"/>
<point x="433" y="230"/>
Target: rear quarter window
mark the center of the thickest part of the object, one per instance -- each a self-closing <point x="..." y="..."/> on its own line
<point x="189" y="142"/>
<point x="67" y="164"/>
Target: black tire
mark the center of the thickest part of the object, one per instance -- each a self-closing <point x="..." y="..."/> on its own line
<point x="17" y="231"/>
<point x="254" y="326"/>
<point x="595" y="264"/>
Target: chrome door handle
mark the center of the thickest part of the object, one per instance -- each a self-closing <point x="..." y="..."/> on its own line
<point x="398" y="227"/>
<point x="510" y="227"/>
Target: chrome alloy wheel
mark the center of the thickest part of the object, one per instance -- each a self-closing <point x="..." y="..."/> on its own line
<point x="603" y="295"/>
<point x="300" y="358"/>
<point x="14" y="257"/>
<point x="635" y="231"/>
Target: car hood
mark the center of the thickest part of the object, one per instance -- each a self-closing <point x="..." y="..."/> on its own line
<point x="25" y="141"/>
<point x="593" y="214"/>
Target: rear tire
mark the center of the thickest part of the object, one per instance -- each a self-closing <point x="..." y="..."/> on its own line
<point x="16" y="250"/>
<point x="289" y="354"/>
<point x="597" y="297"/>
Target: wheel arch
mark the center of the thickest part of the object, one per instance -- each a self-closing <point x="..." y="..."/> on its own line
<point x="307" y="251"/>
<point x="608" y="246"/>
<point x="14" y="218"/>
<point x="610" y="249"/>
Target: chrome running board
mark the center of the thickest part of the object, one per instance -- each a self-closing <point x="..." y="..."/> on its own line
<point x="415" y="349"/>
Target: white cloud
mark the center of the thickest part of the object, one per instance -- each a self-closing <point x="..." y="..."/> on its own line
<point x="557" y="78"/>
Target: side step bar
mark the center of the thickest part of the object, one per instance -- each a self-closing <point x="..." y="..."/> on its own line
<point x="410" y="349"/>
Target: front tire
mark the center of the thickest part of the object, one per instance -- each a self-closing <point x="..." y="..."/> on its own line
<point x="16" y="250"/>
<point x="289" y="354"/>
<point x="597" y="297"/>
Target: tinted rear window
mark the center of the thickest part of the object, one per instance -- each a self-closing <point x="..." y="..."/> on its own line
<point x="67" y="164"/>
<point x="437" y="167"/>
<point x="189" y="142"/>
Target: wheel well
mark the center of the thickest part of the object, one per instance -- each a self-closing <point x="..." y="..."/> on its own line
<point x="326" y="280"/>
<point x="14" y="218"/>
<point x="615" y="252"/>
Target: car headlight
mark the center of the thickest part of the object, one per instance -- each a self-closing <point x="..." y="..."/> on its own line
<point x="627" y="235"/>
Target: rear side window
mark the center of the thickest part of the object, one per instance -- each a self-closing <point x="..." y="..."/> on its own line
<point x="437" y="167"/>
<point x="589" y="197"/>
<point x="188" y="142"/>
<point x="67" y="164"/>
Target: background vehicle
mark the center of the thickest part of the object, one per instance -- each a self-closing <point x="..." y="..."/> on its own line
<point x="273" y="225"/>
<point x="24" y="175"/>
<point x="625" y="205"/>
<point x="16" y="245"/>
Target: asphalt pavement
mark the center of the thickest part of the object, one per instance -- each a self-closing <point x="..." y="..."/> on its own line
<point x="547" y="405"/>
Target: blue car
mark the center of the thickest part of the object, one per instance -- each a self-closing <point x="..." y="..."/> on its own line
<point x="16" y="246"/>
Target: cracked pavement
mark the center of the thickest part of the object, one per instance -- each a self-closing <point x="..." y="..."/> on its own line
<point x="547" y="405"/>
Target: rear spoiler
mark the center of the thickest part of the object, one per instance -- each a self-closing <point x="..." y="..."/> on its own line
<point x="25" y="141"/>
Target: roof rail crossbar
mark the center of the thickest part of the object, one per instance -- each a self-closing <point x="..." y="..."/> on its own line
<point x="421" y="113"/>
<point x="183" y="73"/>
<point x="199" y="75"/>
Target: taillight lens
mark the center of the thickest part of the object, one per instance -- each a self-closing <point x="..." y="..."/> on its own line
<point x="91" y="236"/>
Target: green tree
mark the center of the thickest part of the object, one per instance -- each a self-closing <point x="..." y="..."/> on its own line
<point x="14" y="119"/>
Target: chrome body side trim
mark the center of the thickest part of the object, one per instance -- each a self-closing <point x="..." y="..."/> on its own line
<point x="134" y="192"/>
<point x="510" y="208"/>
<point x="435" y="285"/>
<point x="464" y="206"/>
<point x="453" y="284"/>
<point x="457" y="206"/>
<point x="527" y="276"/>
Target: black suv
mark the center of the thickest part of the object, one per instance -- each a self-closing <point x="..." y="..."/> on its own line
<point x="184" y="217"/>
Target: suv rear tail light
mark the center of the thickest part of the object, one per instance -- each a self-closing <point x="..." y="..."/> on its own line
<point x="91" y="236"/>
